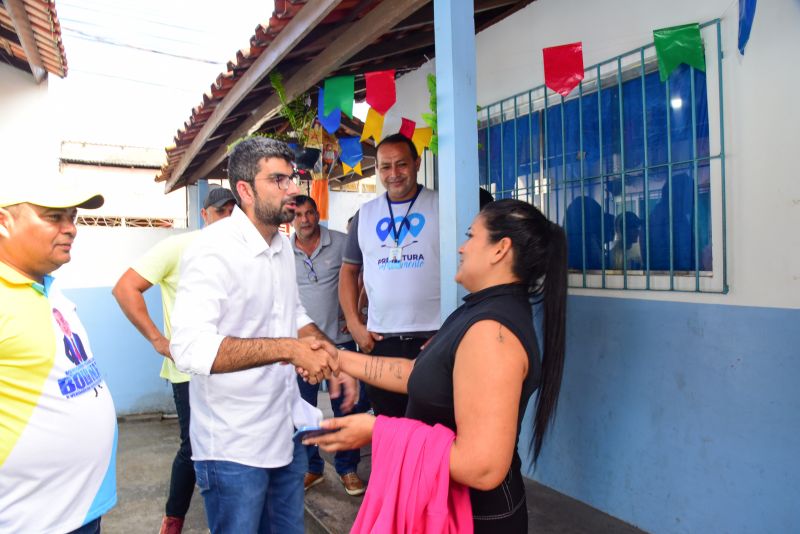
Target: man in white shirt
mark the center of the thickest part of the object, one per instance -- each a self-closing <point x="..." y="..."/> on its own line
<point x="161" y="266"/>
<point x="237" y="314"/>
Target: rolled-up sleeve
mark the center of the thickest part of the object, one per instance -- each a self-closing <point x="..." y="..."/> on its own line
<point x="199" y="306"/>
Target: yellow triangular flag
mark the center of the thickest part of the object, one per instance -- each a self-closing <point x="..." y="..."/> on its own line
<point x="347" y="169"/>
<point x="422" y="138"/>
<point x="373" y="127"/>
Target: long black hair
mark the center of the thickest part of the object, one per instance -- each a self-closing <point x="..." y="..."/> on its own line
<point x="540" y="262"/>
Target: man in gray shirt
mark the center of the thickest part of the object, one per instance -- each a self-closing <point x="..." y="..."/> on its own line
<point x="318" y="259"/>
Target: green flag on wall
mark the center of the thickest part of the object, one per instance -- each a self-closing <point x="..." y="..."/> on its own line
<point x="679" y="44"/>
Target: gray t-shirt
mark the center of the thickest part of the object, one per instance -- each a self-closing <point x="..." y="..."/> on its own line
<point x="352" y="251"/>
<point x="318" y="282"/>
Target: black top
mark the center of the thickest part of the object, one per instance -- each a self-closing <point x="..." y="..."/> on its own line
<point x="430" y="386"/>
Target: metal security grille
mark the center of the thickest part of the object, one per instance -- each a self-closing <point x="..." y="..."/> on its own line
<point x="631" y="167"/>
<point x="130" y="222"/>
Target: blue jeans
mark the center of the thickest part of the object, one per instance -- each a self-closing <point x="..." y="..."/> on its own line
<point x="181" y="483"/>
<point x="344" y="461"/>
<point x="241" y="499"/>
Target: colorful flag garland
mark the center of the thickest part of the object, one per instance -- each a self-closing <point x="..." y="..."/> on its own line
<point x="747" y="12"/>
<point x="407" y="127"/>
<point x="679" y="44"/>
<point x="381" y="91"/>
<point x="422" y="139"/>
<point x="373" y="126"/>
<point x="330" y="121"/>
<point x="339" y="93"/>
<point x="563" y="67"/>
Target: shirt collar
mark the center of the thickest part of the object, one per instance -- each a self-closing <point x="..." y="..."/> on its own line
<point x="324" y="240"/>
<point x="254" y="241"/>
<point x="16" y="278"/>
<point x="515" y="288"/>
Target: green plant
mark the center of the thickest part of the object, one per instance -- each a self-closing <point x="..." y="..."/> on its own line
<point x="430" y="118"/>
<point x="298" y="112"/>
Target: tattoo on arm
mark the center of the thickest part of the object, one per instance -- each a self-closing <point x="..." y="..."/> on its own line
<point x="500" y="337"/>
<point x="374" y="367"/>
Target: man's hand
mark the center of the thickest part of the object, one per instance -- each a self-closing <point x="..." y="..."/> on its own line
<point x="364" y="338"/>
<point x="347" y="386"/>
<point x="161" y="345"/>
<point x="319" y="359"/>
<point x="355" y="431"/>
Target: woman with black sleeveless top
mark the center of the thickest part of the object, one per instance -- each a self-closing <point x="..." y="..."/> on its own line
<point x="479" y="371"/>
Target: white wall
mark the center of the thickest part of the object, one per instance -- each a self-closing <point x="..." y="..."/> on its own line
<point x="28" y="144"/>
<point x="100" y="255"/>
<point x="762" y="119"/>
<point x="342" y="205"/>
<point x="129" y="192"/>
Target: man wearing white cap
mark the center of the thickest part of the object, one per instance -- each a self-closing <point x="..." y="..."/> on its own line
<point x="57" y="420"/>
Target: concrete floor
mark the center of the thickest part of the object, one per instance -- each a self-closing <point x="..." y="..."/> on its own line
<point x="147" y="446"/>
<point x="144" y="461"/>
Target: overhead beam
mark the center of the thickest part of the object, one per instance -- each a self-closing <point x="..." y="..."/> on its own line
<point x="359" y="35"/>
<point x="300" y="26"/>
<point x="22" y="25"/>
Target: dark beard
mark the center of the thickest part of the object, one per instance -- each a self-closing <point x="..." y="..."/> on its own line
<point x="272" y="217"/>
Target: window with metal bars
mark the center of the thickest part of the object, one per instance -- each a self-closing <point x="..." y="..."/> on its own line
<point x="631" y="167"/>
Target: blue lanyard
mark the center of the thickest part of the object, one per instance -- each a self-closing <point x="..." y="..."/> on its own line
<point x="404" y="222"/>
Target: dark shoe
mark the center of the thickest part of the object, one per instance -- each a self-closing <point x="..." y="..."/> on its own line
<point x="311" y="480"/>
<point x="171" y="525"/>
<point x="352" y="484"/>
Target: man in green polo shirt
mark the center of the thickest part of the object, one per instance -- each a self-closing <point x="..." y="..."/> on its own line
<point x="161" y="266"/>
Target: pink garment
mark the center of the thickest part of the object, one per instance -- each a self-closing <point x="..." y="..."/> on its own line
<point x="410" y="488"/>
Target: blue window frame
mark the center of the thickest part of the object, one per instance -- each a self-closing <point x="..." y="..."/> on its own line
<point x="625" y="165"/>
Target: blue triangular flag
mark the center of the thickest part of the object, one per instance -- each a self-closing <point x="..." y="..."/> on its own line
<point x="331" y="121"/>
<point x="351" y="150"/>
<point x="747" y="12"/>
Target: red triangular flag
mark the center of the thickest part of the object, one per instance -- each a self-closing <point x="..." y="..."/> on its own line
<point x="563" y="67"/>
<point x="381" y="94"/>
<point x="408" y="127"/>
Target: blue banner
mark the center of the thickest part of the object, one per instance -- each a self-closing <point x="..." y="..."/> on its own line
<point x="351" y="150"/>
<point x="331" y="121"/>
<point x="747" y="12"/>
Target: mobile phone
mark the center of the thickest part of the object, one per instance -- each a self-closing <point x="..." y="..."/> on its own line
<point x="312" y="432"/>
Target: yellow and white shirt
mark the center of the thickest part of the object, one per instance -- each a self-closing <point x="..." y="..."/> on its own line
<point x="58" y="431"/>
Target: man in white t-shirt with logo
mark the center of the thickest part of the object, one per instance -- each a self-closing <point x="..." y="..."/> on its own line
<point x="395" y="238"/>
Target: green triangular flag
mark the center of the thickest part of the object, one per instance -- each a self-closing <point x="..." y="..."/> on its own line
<point x="339" y="94"/>
<point x="679" y="44"/>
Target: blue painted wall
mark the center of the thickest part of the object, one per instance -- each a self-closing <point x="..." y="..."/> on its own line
<point x="679" y="417"/>
<point x="129" y="364"/>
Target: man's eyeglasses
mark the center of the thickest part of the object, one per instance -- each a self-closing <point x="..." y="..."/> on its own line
<point x="283" y="180"/>
<point x="312" y="274"/>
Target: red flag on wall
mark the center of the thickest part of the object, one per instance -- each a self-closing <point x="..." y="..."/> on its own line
<point x="407" y="127"/>
<point x="381" y="94"/>
<point x="563" y="67"/>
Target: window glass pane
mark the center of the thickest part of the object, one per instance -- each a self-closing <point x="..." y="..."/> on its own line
<point x="650" y="210"/>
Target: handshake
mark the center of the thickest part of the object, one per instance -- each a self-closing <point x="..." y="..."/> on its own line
<point x="315" y="359"/>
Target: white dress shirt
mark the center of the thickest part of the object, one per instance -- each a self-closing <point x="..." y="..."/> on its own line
<point x="233" y="283"/>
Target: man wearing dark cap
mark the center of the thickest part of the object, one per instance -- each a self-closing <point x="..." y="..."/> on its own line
<point x="219" y="204"/>
<point x="57" y="421"/>
<point x="160" y="266"/>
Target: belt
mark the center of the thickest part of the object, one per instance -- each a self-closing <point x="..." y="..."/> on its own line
<point x="409" y="337"/>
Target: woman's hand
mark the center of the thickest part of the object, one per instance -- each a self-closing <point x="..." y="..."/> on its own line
<point x="354" y="432"/>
